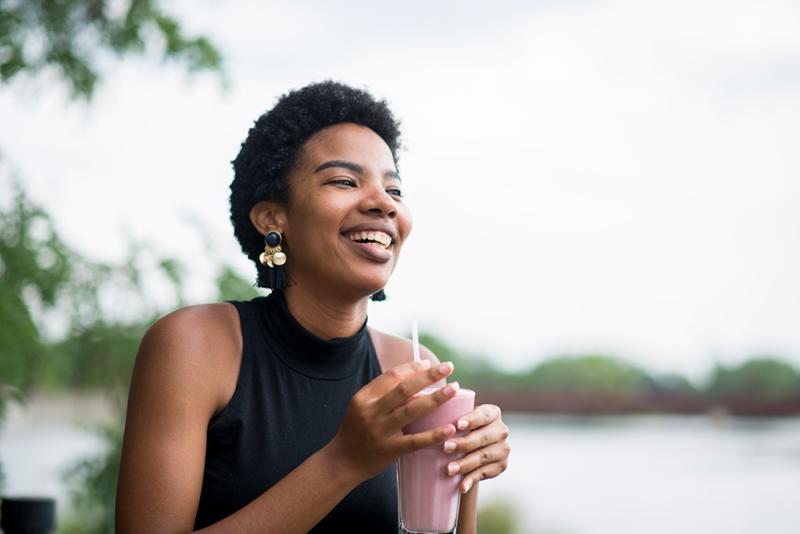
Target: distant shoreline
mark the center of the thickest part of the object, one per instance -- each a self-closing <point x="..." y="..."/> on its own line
<point x="591" y="404"/>
<point x="96" y="408"/>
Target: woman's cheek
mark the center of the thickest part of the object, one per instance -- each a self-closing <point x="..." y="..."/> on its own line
<point x="406" y="224"/>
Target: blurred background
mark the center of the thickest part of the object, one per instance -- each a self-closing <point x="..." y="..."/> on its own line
<point x="605" y="239"/>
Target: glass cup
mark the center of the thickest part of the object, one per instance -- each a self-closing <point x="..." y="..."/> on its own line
<point x="427" y="497"/>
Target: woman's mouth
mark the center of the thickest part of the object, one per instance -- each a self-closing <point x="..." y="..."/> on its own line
<point x="375" y="245"/>
<point x="377" y="237"/>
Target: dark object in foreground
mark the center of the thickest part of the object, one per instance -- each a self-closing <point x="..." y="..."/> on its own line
<point x="27" y="515"/>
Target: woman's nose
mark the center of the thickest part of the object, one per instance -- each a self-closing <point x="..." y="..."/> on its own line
<point x="377" y="200"/>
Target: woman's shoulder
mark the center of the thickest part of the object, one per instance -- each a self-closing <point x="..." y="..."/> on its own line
<point x="196" y="348"/>
<point x="210" y="326"/>
<point x="395" y="350"/>
<point x="213" y="318"/>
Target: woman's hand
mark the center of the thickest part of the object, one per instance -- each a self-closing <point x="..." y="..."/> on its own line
<point x="485" y="448"/>
<point x="371" y="437"/>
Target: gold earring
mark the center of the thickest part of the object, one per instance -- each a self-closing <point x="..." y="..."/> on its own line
<point x="273" y="255"/>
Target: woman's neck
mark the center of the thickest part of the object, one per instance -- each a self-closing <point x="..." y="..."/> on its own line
<point x="325" y="316"/>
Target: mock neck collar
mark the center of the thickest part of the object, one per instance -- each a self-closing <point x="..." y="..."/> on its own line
<point x="308" y="353"/>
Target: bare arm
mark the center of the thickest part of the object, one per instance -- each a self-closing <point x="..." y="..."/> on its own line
<point x="468" y="512"/>
<point x="172" y="397"/>
<point x="175" y="391"/>
<point x="298" y="502"/>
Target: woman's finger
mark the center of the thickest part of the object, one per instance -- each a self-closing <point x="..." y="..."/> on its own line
<point x="389" y="379"/>
<point x="487" y="471"/>
<point x="412" y="442"/>
<point x="410" y="385"/>
<point x="481" y="416"/>
<point x="416" y="408"/>
<point x="485" y="455"/>
<point x="476" y="439"/>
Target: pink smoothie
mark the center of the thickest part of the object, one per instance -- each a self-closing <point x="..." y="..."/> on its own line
<point x="428" y="497"/>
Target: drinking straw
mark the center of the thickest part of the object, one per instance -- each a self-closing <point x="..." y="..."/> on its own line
<point x="415" y="340"/>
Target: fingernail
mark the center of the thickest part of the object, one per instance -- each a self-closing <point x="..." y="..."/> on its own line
<point x="453" y="468"/>
<point x="463" y="424"/>
<point x="445" y="367"/>
<point x="451" y="388"/>
<point x="467" y="485"/>
<point x="449" y="446"/>
<point x="424" y="364"/>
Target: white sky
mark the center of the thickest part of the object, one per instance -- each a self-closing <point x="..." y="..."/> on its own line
<point x="617" y="176"/>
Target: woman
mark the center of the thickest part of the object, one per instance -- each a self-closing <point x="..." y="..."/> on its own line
<point x="284" y="413"/>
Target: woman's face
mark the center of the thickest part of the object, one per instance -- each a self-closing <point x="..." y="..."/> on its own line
<point x="346" y="220"/>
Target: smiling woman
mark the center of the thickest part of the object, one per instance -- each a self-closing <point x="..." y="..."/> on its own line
<point x="345" y="207"/>
<point x="285" y="413"/>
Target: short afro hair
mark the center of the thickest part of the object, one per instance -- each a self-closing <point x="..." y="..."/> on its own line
<point x="273" y="146"/>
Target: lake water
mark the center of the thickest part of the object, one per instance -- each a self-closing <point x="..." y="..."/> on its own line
<point x="568" y="475"/>
<point x="653" y="474"/>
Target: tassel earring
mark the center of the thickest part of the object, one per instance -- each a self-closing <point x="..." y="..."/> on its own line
<point x="272" y="272"/>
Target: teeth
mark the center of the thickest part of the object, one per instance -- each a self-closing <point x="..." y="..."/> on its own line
<point x="381" y="238"/>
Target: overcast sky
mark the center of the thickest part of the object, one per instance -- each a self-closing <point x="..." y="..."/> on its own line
<point x="613" y="176"/>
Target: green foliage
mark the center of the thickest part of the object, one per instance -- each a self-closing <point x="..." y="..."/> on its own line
<point x="97" y="356"/>
<point x="68" y="34"/>
<point x="764" y="377"/>
<point x="587" y="374"/>
<point x="21" y="349"/>
<point x="673" y="383"/>
<point x="35" y="265"/>
<point x="174" y="271"/>
<point x="95" y="485"/>
<point x="498" y="518"/>
<point x="96" y="351"/>
<point x="33" y="256"/>
<point x="41" y="273"/>
<point x="231" y="286"/>
<point x="582" y="374"/>
<point x="469" y="370"/>
<point x="38" y="272"/>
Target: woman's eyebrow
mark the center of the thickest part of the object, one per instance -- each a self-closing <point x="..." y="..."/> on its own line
<point x="355" y="167"/>
<point x="392" y="174"/>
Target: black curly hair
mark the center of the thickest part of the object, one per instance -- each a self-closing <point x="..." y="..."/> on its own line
<point x="273" y="146"/>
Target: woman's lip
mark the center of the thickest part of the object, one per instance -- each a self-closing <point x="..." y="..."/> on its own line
<point x="380" y="255"/>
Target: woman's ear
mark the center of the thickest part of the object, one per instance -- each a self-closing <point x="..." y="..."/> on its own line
<point x="267" y="216"/>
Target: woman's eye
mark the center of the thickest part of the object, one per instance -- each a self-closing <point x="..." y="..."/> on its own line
<point x="344" y="181"/>
<point x="395" y="192"/>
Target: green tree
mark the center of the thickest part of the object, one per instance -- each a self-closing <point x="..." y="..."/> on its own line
<point x="470" y="370"/>
<point x="231" y="286"/>
<point x="589" y="374"/>
<point x="96" y="350"/>
<point x="35" y="267"/>
<point x="69" y="36"/>
<point x="764" y="377"/>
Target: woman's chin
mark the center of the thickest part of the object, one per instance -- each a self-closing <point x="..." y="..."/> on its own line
<point x="369" y="288"/>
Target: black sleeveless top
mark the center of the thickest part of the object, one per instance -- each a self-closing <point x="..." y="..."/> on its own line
<point x="292" y="393"/>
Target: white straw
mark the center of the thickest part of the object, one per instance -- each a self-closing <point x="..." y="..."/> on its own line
<point x="415" y="340"/>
